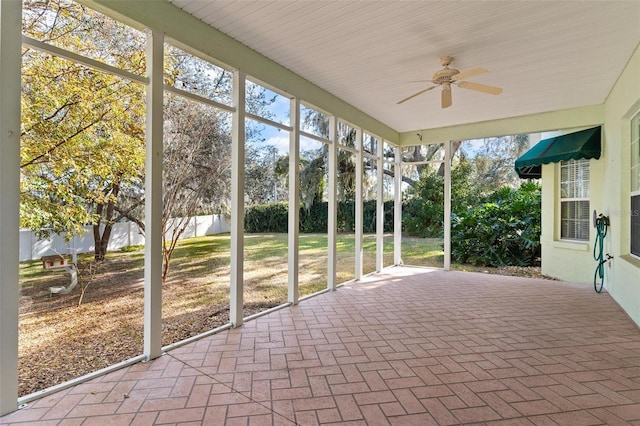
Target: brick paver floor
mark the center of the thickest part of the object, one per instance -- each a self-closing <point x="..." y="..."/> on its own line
<point x="408" y="346"/>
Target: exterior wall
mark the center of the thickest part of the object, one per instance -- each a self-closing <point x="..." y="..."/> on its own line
<point x="609" y="192"/>
<point x="622" y="104"/>
<point x="564" y="259"/>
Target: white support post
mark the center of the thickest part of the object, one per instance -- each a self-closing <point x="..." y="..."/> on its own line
<point x="10" y="36"/>
<point x="397" y="207"/>
<point x="380" y="208"/>
<point x="359" y="215"/>
<point x="332" y="237"/>
<point x="294" y="201"/>
<point x="237" y="201"/>
<point x="153" y="198"/>
<point x="447" y="205"/>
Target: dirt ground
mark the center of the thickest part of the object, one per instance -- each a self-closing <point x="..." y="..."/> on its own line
<point x="60" y="339"/>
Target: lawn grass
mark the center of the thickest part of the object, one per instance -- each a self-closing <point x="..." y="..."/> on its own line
<point x="427" y="252"/>
<point x="60" y="340"/>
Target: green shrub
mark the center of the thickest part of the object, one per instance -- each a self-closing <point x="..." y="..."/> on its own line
<point x="315" y="219"/>
<point x="274" y="217"/>
<point x="504" y="230"/>
<point x="423" y="212"/>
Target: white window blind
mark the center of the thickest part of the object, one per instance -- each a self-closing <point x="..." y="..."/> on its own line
<point x="574" y="200"/>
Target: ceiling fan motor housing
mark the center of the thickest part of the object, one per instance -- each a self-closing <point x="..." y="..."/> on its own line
<point x="444" y="75"/>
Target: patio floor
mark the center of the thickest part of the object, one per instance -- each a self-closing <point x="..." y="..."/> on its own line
<point x="408" y="346"/>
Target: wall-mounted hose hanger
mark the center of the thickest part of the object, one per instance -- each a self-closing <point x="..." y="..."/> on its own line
<point x="601" y="223"/>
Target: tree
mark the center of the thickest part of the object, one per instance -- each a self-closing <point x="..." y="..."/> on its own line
<point x="494" y="160"/>
<point x="477" y="170"/>
<point x="196" y="167"/>
<point x="423" y="211"/>
<point x="313" y="167"/>
<point x="83" y="142"/>
<point x="265" y="174"/>
<point x="82" y="130"/>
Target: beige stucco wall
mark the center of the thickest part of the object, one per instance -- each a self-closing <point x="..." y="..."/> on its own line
<point x="610" y="186"/>
<point x="623" y="103"/>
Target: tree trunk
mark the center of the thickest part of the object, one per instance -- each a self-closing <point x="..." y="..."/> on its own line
<point x="101" y="239"/>
<point x="166" y="264"/>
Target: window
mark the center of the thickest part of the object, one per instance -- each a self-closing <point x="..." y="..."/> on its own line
<point x="635" y="185"/>
<point x="574" y="200"/>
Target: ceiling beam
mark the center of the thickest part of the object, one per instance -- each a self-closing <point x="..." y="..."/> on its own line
<point x="546" y="121"/>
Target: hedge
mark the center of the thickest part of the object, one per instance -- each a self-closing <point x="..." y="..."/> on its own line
<point x="273" y="217"/>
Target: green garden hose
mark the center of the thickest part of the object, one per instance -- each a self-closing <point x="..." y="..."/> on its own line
<point x="601" y="224"/>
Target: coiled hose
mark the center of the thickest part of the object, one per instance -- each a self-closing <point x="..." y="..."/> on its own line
<point x="602" y="224"/>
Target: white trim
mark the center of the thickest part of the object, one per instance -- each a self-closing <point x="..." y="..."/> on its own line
<point x="397" y="207"/>
<point x="418" y="163"/>
<point x="267" y="311"/>
<point x="371" y="156"/>
<point x="577" y="245"/>
<point x="254" y="80"/>
<point x="190" y="50"/>
<point x="153" y="198"/>
<point x="332" y="213"/>
<point x="303" y="298"/>
<point x="347" y="148"/>
<point x="447" y="206"/>
<point x="354" y="149"/>
<point x="198" y="98"/>
<point x="196" y="337"/>
<point x="263" y="120"/>
<point x="359" y="219"/>
<point x="314" y="137"/>
<point x="561" y="200"/>
<point x="236" y="288"/>
<point x="309" y="105"/>
<point x="78" y="380"/>
<point x="293" y="235"/>
<point x="74" y="57"/>
<point x="10" y="43"/>
<point x="380" y="210"/>
<point x="634" y="167"/>
<point x="319" y="138"/>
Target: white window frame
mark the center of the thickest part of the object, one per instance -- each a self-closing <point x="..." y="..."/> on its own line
<point x="634" y="167"/>
<point x="578" y="192"/>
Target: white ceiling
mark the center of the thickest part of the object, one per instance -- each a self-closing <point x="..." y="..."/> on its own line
<point x="546" y="55"/>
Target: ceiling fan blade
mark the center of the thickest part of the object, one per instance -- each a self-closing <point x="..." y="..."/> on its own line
<point x="469" y="73"/>
<point x="480" y="87"/>
<point x="416" y="94"/>
<point x="446" y="97"/>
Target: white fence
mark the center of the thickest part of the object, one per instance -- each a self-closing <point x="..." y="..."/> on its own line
<point x="123" y="234"/>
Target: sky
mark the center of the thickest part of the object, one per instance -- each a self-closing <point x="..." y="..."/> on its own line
<point x="279" y="138"/>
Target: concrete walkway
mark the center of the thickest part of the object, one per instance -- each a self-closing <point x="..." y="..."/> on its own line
<point x="408" y="346"/>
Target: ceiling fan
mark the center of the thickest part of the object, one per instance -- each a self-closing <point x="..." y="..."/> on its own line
<point x="448" y="76"/>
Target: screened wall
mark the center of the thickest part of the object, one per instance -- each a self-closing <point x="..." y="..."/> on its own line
<point x="181" y="134"/>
